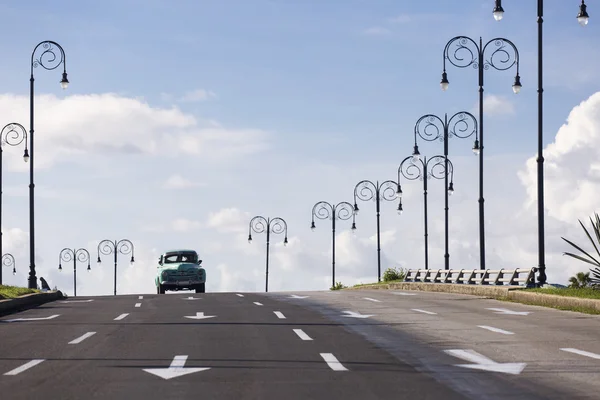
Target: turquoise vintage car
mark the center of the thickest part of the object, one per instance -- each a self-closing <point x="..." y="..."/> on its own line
<point x="180" y="270"/>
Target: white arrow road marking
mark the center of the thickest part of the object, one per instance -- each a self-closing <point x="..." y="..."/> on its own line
<point x="200" y="315"/>
<point x="582" y="353"/>
<point x="138" y="304"/>
<point x="333" y="362"/>
<point x="423" y="311"/>
<point x="120" y="317"/>
<point x="76" y="301"/>
<point x="373" y="300"/>
<point x="257" y="303"/>
<point x="483" y="363"/>
<point x="508" y="312"/>
<point x="141" y="297"/>
<point x="31" y="319"/>
<point x="82" y="338"/>
<point x="353" y="314"/>
<point x="302" y="335"/>
<point x="176" y="369"/>
<point x="295" y="296"/>
<point x="497" y="330"/>
<point x="404" y="294"/>
<point x="191" y="298"/>
<point x="279" y="314"/>
<point x="24" y="367"/>
<point x="240" y="295"/>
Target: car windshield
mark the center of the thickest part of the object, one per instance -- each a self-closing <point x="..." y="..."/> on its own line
<point x="181" y="257"/>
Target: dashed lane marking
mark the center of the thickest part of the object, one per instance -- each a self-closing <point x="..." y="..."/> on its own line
<point x="423" y="311"/>
<point x="333" y="362"/>
<point x="82" y="338"/>
<point x="302" y="335"/>
<point x="24" y="367"/>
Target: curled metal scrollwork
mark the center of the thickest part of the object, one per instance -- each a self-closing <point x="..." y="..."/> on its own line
<point x="411" y="169"/>
<point x="464" y="126"/>
<point x="260" y="224"/>
<point x="123" y="246"/>
<point x="433" y="167"/>
<point x="342" y="211"/>
<point x="503" y="57"/>
<point x="431" y="127"/>
<point x="48" y="58"/>
<point x="67" y="255"/>
<point x="13" y="134"/>
<point x="8" y="260"/>
<point x="278" y="225"/>
<point x="465" y="54"/>
<point x="462" y="52"/>
<point x="367" y="190"/>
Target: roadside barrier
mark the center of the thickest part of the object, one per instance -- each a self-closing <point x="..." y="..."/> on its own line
<point x="502" y="276"/>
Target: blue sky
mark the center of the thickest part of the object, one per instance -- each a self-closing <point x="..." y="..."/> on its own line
<point x="335" y="88"/>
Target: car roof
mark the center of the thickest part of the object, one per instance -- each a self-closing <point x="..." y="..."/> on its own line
<point x="180" y="251"/>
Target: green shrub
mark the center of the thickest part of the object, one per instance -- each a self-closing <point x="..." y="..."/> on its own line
<point x="394" y="274"/>
<point x="338" y="286"/>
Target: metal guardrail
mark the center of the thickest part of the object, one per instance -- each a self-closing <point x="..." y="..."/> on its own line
<point x="474" y="277"/>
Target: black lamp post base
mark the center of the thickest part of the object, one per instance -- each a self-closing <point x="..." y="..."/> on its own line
<point x="32" y="282"/>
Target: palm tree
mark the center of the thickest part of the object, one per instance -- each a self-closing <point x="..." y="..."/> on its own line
<point x="581" y="280"/>
<point x="586" y="257"/>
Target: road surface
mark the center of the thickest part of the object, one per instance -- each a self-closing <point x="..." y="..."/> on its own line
<point x="298" y="345"/>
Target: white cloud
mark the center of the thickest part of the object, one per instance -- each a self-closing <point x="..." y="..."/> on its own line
<point x="229" y="220"/>
<point x="572" y="184"/>
<point x="179" y="182"/>
<point x="495" y="105"/>
<point x="198" y="95"/>
<point x="377" y="31"/>
<point x="175" y="225"/>
<point x="78" y="127"/>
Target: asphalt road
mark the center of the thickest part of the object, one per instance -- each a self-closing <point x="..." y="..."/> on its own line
<point x="313" y="345"/>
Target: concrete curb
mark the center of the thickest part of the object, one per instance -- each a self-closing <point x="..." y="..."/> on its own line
<point x="514" y="293"/>
<point x="9" y="306"/>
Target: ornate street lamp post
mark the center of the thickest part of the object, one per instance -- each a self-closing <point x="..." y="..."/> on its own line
<point x="67" y="255"/>
<point x="463" y="52"/>
<point x="431" y="127"/>
<point x="12" y="134"/>
<point x="123" y="246"/>
<point x="367" y="190"/>
<point x="342" y="211"/>
<point x="49" y="60"/>
<point x="8" y="261"/>
<point x="413" y="168"/>
<point x="582" y="18"/>
<point x="276" y="226"/>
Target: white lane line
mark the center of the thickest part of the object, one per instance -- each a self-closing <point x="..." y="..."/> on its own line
<point x="138" y="304"/>
<point x="423" y="311"/>
<point x="497" y="330"/>
<point x="370" y="299"/>
<point x="279" y="314"/>
<point x="257" y="303"/>
<point x="82" y="338"/>
<point x="141" y="297"/>
<point x="24" y="367"/>
<point x="120" y="317"/>
<point x="404" y="294"/>
<point x="302" y="335"/>
<point x="582" y="353"/>
<point x="240" y="295"/>
<point x="333" y="362"/>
